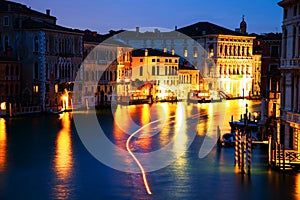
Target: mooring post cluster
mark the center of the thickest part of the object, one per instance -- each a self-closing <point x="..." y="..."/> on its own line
<point x="243" y="146"/>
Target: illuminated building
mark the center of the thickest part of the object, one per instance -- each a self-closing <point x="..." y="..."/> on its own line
<point x="106" y="69"/>
<point x="232" y="70"/>
<point x="290" y="75"/>
<point x="232" y="54"/>
<point x="158" y="68"/>
<point x="49" y="54"/>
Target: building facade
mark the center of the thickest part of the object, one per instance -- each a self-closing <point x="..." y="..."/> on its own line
<point x="50" y="55"/>
<point x="224" y="57"/>
<point x="290" y="75"/>
<point x="157" y="69"/>
<point x="232" y="54"/>
<point x="105" y="74"/>
<point x="269" y="47"/>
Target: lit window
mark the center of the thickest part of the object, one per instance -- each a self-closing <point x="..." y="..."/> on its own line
<point x="56" y="88"/>
<point x="35" y="88"/>
<point x="185" y="54"/>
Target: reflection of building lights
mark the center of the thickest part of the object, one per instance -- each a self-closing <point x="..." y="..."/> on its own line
<point x="3" y="106"/>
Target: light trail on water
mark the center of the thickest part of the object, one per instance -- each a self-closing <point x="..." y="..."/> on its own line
<point x="147" y="187"/>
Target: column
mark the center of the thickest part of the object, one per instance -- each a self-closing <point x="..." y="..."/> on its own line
<point x="297" y="42"/>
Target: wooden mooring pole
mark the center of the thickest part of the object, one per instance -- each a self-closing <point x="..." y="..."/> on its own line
<point x="249" y="152"/>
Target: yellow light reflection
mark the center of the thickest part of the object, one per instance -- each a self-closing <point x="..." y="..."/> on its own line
<point x="145" y="117"/>
<point x="180" y="138"/>
<point x="63" y="159"/>
<point x="2" y="145"/>
<point x="297" y="186"/>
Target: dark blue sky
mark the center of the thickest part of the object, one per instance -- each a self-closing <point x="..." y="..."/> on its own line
<point x="262" y="16"/>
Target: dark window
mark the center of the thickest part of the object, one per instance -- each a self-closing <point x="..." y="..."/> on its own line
<point x="285" y="13"/>
<point x="158" y="60"/>
<point x="47" y="88"/>
<point x="36" y="71"/>
<point x="86" y="76"/>
<point x="36" y="44"/>
<point x="275" y="51"/>
<point x="17" y="89"/>
<point x="166" y="60"/>
<point x="295" y="10"/>
<point x="141" y="71"/>
<point x="157" y="70"/>
<point x="141" y="60"/>
<point x="166" y="70"/>
<point x="153" y="60"/>
<point x="153" y="71"/>
<point x="5" y="21"/>
<point x="6" y="70"/>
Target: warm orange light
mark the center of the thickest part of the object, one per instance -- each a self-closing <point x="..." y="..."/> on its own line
<point x="63" y="159"/>
<point x="65" y="99"/>
<point x="56" y="88"/>
<point x="2" y="145"/>
<point x="3" y="106"/>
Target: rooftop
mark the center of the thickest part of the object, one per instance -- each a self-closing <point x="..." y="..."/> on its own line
<point x="207" y="28"/>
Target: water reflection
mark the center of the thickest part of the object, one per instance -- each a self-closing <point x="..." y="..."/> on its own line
<point x="2" y="145"/>
<point x="63" y="160"/>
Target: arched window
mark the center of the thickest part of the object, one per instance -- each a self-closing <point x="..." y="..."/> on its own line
<point x="141" y="71"/>
<point x="36" y="44"/>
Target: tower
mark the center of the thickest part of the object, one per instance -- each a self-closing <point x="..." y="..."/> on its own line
<point x="243" y="26"/>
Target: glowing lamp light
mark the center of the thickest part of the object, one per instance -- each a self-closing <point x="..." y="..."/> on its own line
<point x="3" y="106"/>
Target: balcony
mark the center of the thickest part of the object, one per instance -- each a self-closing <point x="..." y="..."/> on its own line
<point x="291" y="117"/>
<point x="290" y="63"/>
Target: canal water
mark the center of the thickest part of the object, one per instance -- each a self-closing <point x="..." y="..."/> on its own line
<point x="43" y="157"/>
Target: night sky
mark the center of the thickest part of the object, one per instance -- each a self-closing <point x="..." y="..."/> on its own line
<point x="262" y="16"/>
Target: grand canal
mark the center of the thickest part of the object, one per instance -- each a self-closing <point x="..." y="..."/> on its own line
<point x="43" y="157"/>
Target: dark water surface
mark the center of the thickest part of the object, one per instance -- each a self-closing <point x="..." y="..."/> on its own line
<point x="42" y="157"/>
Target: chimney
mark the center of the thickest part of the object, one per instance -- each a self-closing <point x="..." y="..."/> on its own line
<point x="48" y="12"/>
<point x="175" y="28"/>
<point x="137" y="29"/>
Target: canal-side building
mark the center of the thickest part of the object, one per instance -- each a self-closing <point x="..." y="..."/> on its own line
<point x="231" y="52"/>
<point x="9" y="84"/>
<point x="269" y="47"/>
<point x="224" y="57"/>
<point x="106" y="70"/>
<point x="49" y="55"/>
<point x="290" y="75"/>
<point x="157" y="71"/>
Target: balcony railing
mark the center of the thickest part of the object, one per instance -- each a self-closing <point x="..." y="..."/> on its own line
<point x="291" y="117"/>
<point x="294" y="62"/>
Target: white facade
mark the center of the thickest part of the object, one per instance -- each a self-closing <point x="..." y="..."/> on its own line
<point x="290" y="71"/>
